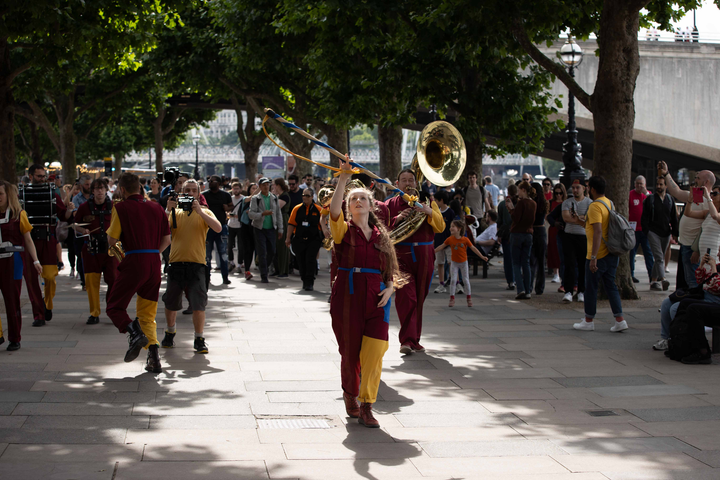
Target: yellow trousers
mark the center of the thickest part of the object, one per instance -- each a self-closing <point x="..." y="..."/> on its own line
<point x="92" y="285"/>
<point x="49" y="272"/>
<point x="371" y="355"/>
<point x="146" y="311"/>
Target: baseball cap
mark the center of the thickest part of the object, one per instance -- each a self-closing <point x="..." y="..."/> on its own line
<point x="263" y="180"/>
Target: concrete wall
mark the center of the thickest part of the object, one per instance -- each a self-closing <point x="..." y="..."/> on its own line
<point x="677" y="97"/>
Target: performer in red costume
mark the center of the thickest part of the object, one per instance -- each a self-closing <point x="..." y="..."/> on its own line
<point x="416" y="257"/>
<point x="14" y="232"/>
<point x="360" y="303"/>
<point x="46" y="246"/>
<point x="143" y="229"/>
<point x="97" y="212"/>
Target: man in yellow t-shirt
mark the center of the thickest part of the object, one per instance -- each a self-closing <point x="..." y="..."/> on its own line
<point x="600" y="263"/>
<point x="187" y="264"/>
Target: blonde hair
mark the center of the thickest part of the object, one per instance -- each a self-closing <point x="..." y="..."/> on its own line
<point x="11" y="192"/>
<point x="390" y="266"/>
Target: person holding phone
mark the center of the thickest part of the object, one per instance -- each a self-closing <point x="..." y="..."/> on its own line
<point x="692" y="220"/>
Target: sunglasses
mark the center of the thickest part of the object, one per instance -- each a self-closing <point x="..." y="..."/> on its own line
<point x="714" y="194"/>
<point x="558" y="193"/>
<point x="547" y="185"/>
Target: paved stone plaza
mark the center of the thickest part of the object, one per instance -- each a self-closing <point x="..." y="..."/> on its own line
<point x="506" y="390"/>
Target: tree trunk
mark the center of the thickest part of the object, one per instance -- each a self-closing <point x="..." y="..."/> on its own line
<point x="390" y="142"/>
<point x="474" y="161"/>
<point x="614" y="112"/>
<point x="251" y="163"/>
<point x="7" y="119"/>
<point x="304" y="149"/>
<point x="337" y="138"/>
<point x="158" y="135"/>
<point x="65" y="110"/>
<point x="35" y="150"/>
<point x="118" y="162"/>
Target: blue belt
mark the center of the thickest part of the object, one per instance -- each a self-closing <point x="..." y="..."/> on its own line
<point x="141" y="251"/>
<point x="358" y="270"/>
<point x="412" y="246"/>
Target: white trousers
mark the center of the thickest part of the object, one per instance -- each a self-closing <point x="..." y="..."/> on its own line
<point x="464" y="271"/>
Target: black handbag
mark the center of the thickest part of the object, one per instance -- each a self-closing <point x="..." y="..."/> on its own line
<point x="694" y="293"/>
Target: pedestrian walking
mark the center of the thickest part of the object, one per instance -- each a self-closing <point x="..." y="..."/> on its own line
<point x="267" y="225"/>
<point x="305" y="236"/>
<point x="521" y="235"/>
<point x="601" y="265"/>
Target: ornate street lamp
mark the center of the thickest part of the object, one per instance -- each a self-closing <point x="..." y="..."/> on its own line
<point x="196" y="142"/>
<point x="571" y="55"/>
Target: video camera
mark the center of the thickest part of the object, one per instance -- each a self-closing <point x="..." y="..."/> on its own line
<point x="170" y="175"/>
<point x="185" y="202"/>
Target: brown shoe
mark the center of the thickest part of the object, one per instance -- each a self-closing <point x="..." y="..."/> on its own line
<point x="351" y="406"/>
<point x="469" y="299"/>
<point x="366" y="417"/>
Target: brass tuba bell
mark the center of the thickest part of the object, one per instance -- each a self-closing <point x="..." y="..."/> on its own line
<point x="440" y="157"/>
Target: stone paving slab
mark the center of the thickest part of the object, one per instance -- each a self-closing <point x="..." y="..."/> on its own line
<point x="503" y="392"/>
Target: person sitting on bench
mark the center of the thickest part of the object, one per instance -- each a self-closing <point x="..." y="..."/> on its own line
<point x="488" y="238"/>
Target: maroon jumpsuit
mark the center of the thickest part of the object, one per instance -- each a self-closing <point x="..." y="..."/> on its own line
<point x="47" y="255"/>
<point x="416" y="257"/>
<point x="358" y="323"/>
<point x="143" y="225"/>
<point x="100" y="263"/>
<point x="11" y="277"/>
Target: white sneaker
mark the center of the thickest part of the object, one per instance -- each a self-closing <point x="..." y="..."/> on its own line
<point x="556" y="279"/>
<point x="580" y="297"/>
<point x="662" y="344"/>
<point x="619" y="326"/>
<point x="459" y="289"/>
<point x="583" y="325"/>
<point x="440" y="289"/>
<point x="567" y="298"/>
<point x="655" y="286"/>
<point x="708" y="329"/>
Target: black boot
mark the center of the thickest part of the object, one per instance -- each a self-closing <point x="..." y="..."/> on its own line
<point x="153" y="360"/>
<point x="92" y="320"/>
<point x="48" y="314"/>
<point x="136" y="341"/>
<point x="38" y="322"/>
<point x="13" y="346"/>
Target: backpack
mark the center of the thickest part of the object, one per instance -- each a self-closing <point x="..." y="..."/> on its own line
<point x="621" y="236"/>
<point x="681" y="342"/>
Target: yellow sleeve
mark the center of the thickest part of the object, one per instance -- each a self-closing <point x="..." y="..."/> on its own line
<point x="115" y="229"/>
<point x="338" y="228"/>
<point x="25" y="226"/>
<point x="594" y="213"/>
<point x="436" y="220"/>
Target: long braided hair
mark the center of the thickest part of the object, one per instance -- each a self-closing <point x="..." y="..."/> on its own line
<point x="390" y="266"/>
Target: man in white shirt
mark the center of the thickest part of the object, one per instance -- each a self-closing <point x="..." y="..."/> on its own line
<point x="493" y="191"/>
<point x="691" y="224"/>
<point x="487" y="239"/>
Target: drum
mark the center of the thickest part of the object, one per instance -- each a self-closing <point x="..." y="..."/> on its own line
<point x="38" y="201"/>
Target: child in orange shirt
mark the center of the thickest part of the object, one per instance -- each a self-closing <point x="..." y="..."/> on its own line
<point x="459" y="244"/>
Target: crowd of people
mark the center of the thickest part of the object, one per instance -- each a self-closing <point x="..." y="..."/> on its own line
<point x="124" y="230"/>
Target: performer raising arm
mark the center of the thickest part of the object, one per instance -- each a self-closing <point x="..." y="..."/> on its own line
<point x="416" y="257"/>
<point x="360" y="300"/>
<point x="144" y="231"/>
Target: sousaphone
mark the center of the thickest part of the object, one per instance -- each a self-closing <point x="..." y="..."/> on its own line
<point x="440" y="157"/>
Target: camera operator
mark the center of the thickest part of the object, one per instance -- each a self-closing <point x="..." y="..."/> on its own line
<point x="189" y="225"/>
<point x="219" y="202"/>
